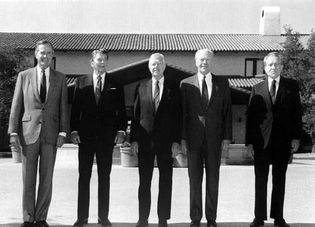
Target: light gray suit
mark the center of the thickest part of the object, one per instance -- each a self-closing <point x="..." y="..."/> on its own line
<point x="38" y="125"/>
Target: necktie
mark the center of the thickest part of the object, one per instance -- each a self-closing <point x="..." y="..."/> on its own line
<point x="273" y="91"/>
<point x="98" y="89"/>
<point x="156" y="98"/>
<point x="205" y="95"/>
<point x="42" y="93"/>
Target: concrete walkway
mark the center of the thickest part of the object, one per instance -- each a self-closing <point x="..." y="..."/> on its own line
<point x="236" y="194"/>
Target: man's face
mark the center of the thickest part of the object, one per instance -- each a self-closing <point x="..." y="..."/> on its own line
<point x="273" y="67"/>
<point x="156" y="67"/>
<point x="99" y="63"/>
<point x="44" y="54"/>
<point x="203" y="62"/>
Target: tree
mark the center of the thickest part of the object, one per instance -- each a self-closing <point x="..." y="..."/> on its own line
<point x="12" y="61"/>
<point x="299" y="64"/>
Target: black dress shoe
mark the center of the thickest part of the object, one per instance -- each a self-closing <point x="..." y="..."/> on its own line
<point x="211" y="223"/>
<point x="257" y="223"/>
<point x="104" y="222"/>
<point x="195" y="224"/>
<point x="41" y="224"/>
<point x="281" y="223"/>
<point x="27" y="224"/>
<point x="142" y="223"/>
<point x="163" y="223"/>
<point x="80" y="223"/>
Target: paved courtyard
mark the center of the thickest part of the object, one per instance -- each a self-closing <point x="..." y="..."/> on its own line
<point x="235" y="197"/>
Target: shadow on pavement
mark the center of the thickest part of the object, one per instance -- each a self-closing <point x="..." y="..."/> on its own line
<point x="220" y="224"/>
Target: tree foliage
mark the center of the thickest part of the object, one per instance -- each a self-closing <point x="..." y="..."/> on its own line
<point x="299" y="64"/>
<point x="12" y="61"/>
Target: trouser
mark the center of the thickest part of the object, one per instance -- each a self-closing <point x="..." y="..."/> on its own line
<point x="36" y="209"/>
<point x="263" y="159"/>
<point x="103" y="149"/>
<point x="211" y="158"/>
<point x="146" y="157"/>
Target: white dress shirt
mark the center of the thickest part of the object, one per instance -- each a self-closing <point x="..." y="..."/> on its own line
<point x="208" y="82"/>
<point x="277" y="84"/>
<point x="161" y="86"/>
<point x="39" y="78"/>
<point x="95" y="80"/>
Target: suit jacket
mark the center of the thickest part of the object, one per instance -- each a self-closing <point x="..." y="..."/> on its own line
<point x="281" y="120"/>
<point x="164" y="125"/>
<point x="29" y="117"/>
<point x="97" y="120"/>
<point x="214" y="124"/>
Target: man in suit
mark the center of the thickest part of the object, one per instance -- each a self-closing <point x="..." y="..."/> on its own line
<point x="273" y="132"/>
<point x="37" y="127"/>
<point x="207" y="129"/>
<point x="98" y="120"/>
<point x="155" y="131"/>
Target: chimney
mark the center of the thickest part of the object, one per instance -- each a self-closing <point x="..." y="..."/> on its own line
<point x="270" y="21"/>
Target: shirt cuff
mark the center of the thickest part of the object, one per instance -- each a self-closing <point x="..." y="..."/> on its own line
<point x="63" y="134"/>
<point x="121" y="131"/>
<point x="13" y="134"/>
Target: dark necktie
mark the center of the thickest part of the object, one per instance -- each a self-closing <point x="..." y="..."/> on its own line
<point x="156" y="97"/>
<point x="42" y="93"/>
<point x="205" y="95"/>
<point x="98" y="89"/>
<point x="273" y="91"/>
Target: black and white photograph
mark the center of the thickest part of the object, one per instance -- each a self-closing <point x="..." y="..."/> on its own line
<point x="157" y="113"/>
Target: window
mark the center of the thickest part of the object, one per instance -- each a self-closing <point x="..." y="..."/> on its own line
<point x="52" y="64"/>
<point x="253" y="66"/>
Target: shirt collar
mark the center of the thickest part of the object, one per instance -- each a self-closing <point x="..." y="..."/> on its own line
<point x="200" y="76"/>
<point x="95" y="76"/>
<point x="277" y="80"/>
<point x="39" y="70"/>
<point x="161" y="81"/>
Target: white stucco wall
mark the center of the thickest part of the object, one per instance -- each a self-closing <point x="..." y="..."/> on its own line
<point x="224" y="63"/>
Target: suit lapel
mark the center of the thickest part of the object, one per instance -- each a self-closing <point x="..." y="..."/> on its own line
<point x="281" y="90"/>
<point x="195" y="83"/>
<point x="214" y="90"/>
<point x="265" y="92"/>
<point x="52" y="84"/>
<point x="105" y="90"/>
<point x="90" y="89"/>
<point x="33" y="80"/>
<point x="164" y="94"/>
<point x="148" y="91"/>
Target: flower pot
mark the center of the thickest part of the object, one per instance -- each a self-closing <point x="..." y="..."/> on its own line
<point x="128" y="158"/>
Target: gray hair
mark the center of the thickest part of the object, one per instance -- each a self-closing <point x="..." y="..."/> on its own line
<point x="157" y="55"/>
<point x="273" y="54"/>
<point x="204" y="50"/>
<point x="99" y="51"/>
<point x="43" y="42"/>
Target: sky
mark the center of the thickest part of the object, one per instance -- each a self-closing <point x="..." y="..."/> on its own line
<point x="150" y="16"/>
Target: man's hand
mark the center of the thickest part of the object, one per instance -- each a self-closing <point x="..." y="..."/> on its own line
<point x="135" y="147"/>
<point x="225" y="147"/>
<point x="250" y="150"/>
<point x="15" y="142"/>
<point x="183" y="147"/>
<point x="75" y="138"/>
<point x="295" y="144"/>
<point x="60" y="141"/>
<point x="120" y="137"/>
<point x="175" y="149"/>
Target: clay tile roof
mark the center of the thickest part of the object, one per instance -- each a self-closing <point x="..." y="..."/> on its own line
<point x="147" y="42"/>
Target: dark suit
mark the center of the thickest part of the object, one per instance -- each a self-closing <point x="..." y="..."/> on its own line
<point x="97" y="125"/>
<point x="204" y="131"/>
<point x="155" y="131"/>
<point x="270" y="129"/>
<point x="38" y="125"/>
